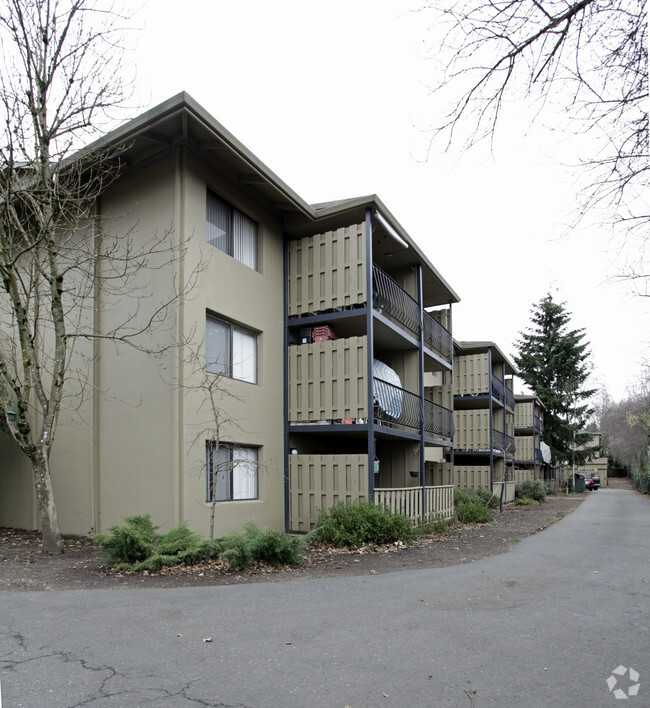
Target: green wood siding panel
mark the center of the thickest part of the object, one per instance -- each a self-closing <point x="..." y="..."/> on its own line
<point x="471" y="374"/>
<point x="317" y="482"/>
<point x="472" y="477"/>
<point x="328" y="380"/>
<point x="472" y="430"/>
<point x="327" y="271"/>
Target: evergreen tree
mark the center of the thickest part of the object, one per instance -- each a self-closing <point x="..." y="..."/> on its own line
<point x="552" y="360"/>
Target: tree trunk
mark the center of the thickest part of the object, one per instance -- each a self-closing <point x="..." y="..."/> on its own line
<point x="49" y="522"/>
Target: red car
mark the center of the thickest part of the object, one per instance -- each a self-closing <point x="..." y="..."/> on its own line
<point x="591" y="483"/>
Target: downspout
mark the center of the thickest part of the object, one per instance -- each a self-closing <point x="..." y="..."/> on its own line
<point x="96" y="375"/>
<point x="421" y="377"/>
<point x="369" y="358"/>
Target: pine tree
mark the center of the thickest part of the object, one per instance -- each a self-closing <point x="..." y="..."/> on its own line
<point x="552" y="360"/>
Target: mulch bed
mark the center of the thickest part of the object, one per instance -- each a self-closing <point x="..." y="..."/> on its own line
<point x="24" y="566"/>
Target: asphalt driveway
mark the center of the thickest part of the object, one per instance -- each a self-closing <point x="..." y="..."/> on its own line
<point x="544" y="624"/>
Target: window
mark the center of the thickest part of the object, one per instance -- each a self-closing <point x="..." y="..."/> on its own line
<point x="230" y="350"/>
<point x="231" y="231"/>
<point x="233" y="475"/>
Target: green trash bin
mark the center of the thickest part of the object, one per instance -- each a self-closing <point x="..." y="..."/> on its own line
<point x="580" y="485"/>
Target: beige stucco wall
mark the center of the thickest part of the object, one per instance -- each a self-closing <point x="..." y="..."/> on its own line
<point x="129" y="449"/>
<point x="255" y="300"/>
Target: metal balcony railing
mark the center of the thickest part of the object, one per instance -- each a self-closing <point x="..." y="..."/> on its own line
<point x="392" y="300"/>
<point x="538" y="423"/>
<point x="438" y="420"/>
<point x="502" y="393"/>
<point x="437" y="337"/>
<point x="396" y="406"/>
<point x="503" y="443"/>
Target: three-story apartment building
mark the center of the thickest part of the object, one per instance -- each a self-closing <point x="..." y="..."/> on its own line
<point x="529" y="431"/>
<point x="484" y="405"/>
<point x="323" y="331"/>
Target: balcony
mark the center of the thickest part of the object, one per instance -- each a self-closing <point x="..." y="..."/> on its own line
<point x="503" y="443"/>
<point x="502" y="393"/>
<point x="395" y="406"/>
<point x="392" y="300"/>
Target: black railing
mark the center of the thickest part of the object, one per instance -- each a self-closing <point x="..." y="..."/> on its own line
<point x="503" y="443"/>
<point x="438" y="420"/>
<point x="538" y="423"/>
<point x="391" y="299"/>
<point x="437" y="337"/>
<point x="538" y="456"/>
<point x="396" y="406"/>
<point x="502" y="393"/>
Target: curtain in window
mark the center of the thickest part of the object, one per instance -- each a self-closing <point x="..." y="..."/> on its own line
<point x="217" y="346"/>
<point x="218" y="226"/>
<point x="244" y="355"/>
<point x="223" y="471"/>
<point x="244" y="474"/>
<point x="245" y="240"/>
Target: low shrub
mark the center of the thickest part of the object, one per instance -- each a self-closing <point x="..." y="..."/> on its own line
<point x="137" y="546"/>
<point x="274" y="548"/>
<point x="361" y="523"/>
<point x="551" y="487"/>
<point x="525" y="501"/>
<point x="471" y="507"/>
<point x="533" y="489"/>
<point x="131" y="543"/>
<point x="431" y="527"/>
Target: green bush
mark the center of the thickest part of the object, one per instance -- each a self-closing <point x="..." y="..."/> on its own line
<point x="433" y="526"/>
<point x="525" y="501"/>
<point x="275" y="548"/>
<point x="131" y="543"/>
<point x="533" y="489"/>
<point x="361" y="523"/>
<point x="551" y="487"/>
<point x="490" y="499"/>
<point x="137" y="546"/>
<point x="471" y="507"/>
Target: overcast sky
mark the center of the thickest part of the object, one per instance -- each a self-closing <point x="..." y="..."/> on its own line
<point x="333" y="97"/>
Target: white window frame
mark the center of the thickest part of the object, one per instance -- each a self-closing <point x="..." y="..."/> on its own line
<point x="240" y="361"/>
<point x="237" y="473"/>
<point x="230" y="230"/>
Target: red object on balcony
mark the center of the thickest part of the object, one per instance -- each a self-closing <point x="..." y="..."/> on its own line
<point x="324" y="334"/>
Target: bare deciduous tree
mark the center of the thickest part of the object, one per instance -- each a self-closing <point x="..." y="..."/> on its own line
<point x="626" y="427"/>
<point x="588" y="59"/>
<point x="61" y="75"/>
<point x="224" y="456"/>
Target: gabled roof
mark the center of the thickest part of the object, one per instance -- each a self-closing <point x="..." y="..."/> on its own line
<point x="182" y="121"/>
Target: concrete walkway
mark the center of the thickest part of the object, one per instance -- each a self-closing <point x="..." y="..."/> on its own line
<point x="542" y="625"/>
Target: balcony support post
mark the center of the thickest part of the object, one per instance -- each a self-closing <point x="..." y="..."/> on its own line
<point x="421" y="387"/>
<point x="285" y="374"/>
<point x="370" y="357"/>
<point x="491" y="419"/>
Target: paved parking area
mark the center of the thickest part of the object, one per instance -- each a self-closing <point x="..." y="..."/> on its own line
<point x="543" y="624"/>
